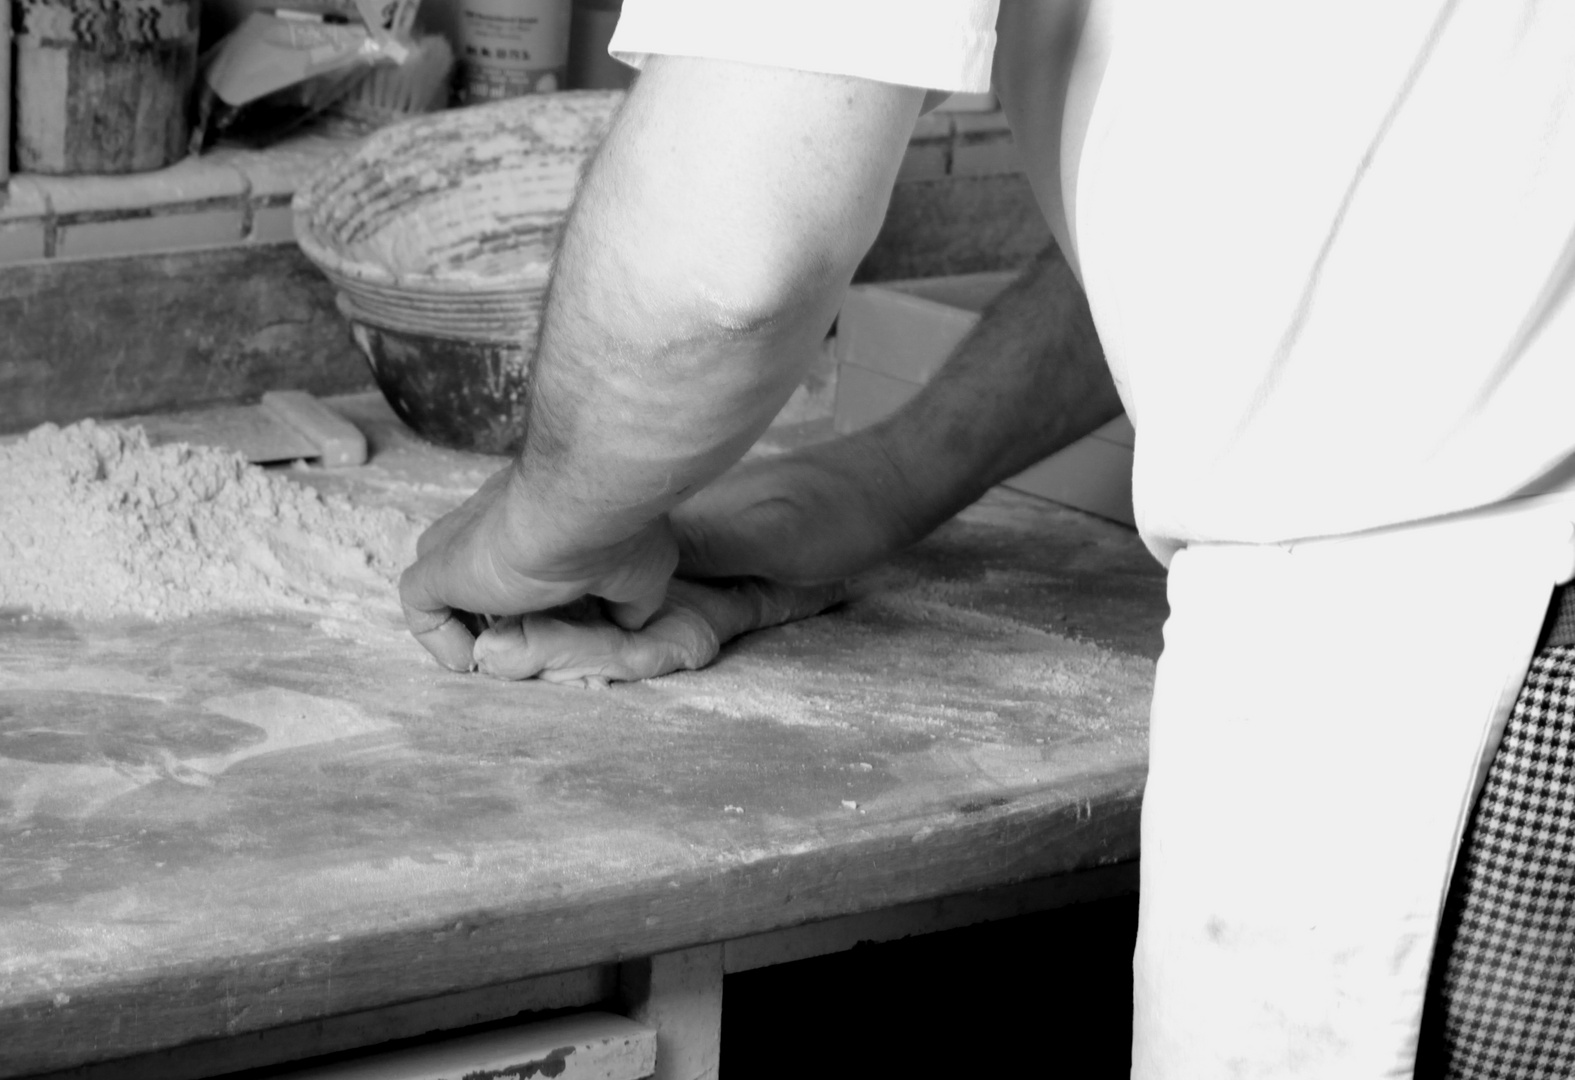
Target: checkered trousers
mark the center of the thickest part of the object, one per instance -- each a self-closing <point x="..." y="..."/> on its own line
<point x="1501" y="1003"/>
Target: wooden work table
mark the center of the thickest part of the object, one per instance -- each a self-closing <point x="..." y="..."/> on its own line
<point x="214" y="828"/>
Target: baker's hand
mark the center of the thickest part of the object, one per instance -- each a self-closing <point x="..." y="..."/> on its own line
<point x="578" y="647"/>
<point x="817" y="515"/>
<point x="495" y="555"/>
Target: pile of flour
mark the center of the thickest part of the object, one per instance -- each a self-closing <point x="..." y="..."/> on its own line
<point x="97" y="523"/>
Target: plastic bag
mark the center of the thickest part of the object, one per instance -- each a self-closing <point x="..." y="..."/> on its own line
<point x="281" y="68"/>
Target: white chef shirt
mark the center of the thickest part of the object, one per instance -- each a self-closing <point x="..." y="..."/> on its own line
<point x="1330" y="251"/>
<point x="1329" y="248"/>
<point x="937" y="44"/>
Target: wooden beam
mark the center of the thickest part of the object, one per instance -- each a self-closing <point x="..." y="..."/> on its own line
<point x="1087" y="821"/>
<point x="928" y="917"/>
<point x="587" y="1046"/>
<point x="147" y="333"/>
<point x="353" y="1031"/>
<point x="680" y="995"/>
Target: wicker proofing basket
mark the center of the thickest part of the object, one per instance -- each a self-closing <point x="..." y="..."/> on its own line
<point x="443" y="227"/>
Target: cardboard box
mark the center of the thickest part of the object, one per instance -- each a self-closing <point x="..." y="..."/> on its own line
<point x="892" y="337"/>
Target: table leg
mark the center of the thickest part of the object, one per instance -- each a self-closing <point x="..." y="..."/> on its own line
<point x="680" y="995"/>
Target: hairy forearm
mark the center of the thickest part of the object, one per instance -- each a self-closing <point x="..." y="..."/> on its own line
<point x="624" y="424"/>
<point x="704" y="260"/>
<point x="1030" y="379"/>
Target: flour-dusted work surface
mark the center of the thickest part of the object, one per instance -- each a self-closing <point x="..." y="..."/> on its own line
<point x="222" y="824"/>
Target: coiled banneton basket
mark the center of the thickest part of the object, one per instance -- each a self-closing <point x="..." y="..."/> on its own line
<point x="439" y="234"/>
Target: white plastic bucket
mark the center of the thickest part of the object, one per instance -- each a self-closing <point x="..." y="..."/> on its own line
<point x="513" y="47"/>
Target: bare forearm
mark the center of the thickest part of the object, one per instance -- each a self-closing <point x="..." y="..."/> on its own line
<point x="704" y="261"/>
<point x="1030" y="379"/>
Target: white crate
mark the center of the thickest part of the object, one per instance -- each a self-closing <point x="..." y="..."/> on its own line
<point x="581" y="1046"/>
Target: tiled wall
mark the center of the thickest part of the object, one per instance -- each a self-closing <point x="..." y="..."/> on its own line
<point x="233" y="196"/>
<point x="228" y="197"/>
<point x="959" y="144"/>
<point x="182" y="287"/>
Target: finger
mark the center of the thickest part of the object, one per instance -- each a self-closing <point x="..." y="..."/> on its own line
<point x="754" y="605"/>
<point x="437" y="533"/>
<point x="704" y="550"/>
<point x="505" y="652"/>
<point x="594" y="652"/>
<point x="446" y="639"/>
<point x="559" y="651"/>
<point x="432" y="622"/>
<point x="776" y="604"/>
<point x="638" y="589"/>
<point x="634" y="614"/>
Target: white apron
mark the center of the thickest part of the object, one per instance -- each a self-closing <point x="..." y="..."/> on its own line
<point x="1324" y="715"/>
<point x="1330" y="250"/>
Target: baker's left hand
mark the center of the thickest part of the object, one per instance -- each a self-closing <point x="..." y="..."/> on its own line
<point x="500" y="554"/>
<point x="579" y="647"/>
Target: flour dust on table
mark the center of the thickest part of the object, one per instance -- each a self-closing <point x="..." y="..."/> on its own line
<point x="97" y="523"/>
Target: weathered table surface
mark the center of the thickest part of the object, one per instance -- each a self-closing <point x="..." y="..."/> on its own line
<point x="227" y="824"/>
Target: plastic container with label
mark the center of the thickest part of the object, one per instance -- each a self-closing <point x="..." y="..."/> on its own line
<point x="512" y="47"/>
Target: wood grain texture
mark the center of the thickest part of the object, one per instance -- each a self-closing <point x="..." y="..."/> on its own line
<point x="5" y="98"/>
<point x="679" y="994"/>
<point x="120" y="336"/>
<point x="928" y="917"/>
<point x="103" y="89"/>
<point x="586" y="1046"/>
<point x="227" y="825"/>
<point x="115" y="337"/>
<point x="355" y="1031"/>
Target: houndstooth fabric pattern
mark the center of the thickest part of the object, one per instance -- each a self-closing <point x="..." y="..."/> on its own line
<point x="1560" y="629"/>
<point x="1502" y="1000"/>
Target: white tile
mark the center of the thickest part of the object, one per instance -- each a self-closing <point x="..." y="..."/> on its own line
<point x="21" y="241"/>
<point x="815" y="398"/>
<point x="907" y="329"/>
<point x="21" y="197"/>
<point x="933" y="125"/>
<point x="284" y="167"/>
<point x="137" y="235"/>
<point x="923" y="162"/>
<point x="24" y="221"/>
<point x="272" y="225"/>
<point x="979" y="123"/>
<point x="1118" y="431"/>
<point x="865" y="396"/>
<point x="193" y="180"/>
<point x="1092" y="475"/>
<point x="984" y="101"/>
<point x="985" y="158"/>
<point x="969" y="292"/>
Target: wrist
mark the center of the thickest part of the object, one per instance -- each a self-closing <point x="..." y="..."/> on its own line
<point x="552" y="537"/>
<point x="892" y="499"/>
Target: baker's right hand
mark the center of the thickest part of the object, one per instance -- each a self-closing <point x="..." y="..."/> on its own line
<point x="496" y="555"/>
<point x="817" y="515"/>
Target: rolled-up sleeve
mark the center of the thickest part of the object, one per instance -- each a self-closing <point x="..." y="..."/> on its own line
<point x="935" y="44"/>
